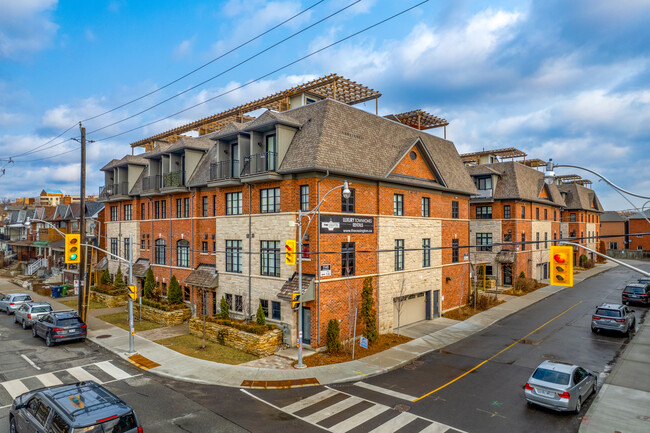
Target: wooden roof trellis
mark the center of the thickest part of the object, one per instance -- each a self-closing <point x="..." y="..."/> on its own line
<point x="330" y="86"/>
<point x="535" y="162"/>
<point x="583" y="182"/>
<point x="508" y="152"/>
<point x="418" y="119"/>
<point x="568" y="178"/>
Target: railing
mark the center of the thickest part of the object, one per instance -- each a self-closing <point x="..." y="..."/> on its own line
<point x="224" y="169"/>
<point x="175" y="178"/>
<point x="484" y="193"/>
<point x="121" y="188"/>
<point x="151" y="182"/>
<point x="38" y="264"/>
<point x="260" y="163"/>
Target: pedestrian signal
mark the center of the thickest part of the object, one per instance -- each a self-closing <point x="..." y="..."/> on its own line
<point x="290" y="250"/>
<point x="295" y="300"/>
<point x="73" y="248"/>
<point x="562" y="266"/>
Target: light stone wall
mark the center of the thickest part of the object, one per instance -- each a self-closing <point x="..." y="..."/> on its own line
<point x="592" y="243"/>
<point x="564" y="229"/>
<point x="414" y="278"/>
<point x="485" y="226"/>
<point x="541" y="255"/>
<point x="121" y="230"/>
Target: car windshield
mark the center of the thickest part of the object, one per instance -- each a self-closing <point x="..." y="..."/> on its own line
<point x="634" y="289"/>
<point x="122" y="424"/>
<point x="608" y="313"/>
<point x="551" y="376"/>
<point x="69" y="321"/>
<point x="42" y="309"/>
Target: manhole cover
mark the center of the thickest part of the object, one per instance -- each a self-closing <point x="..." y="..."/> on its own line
<point x="402" y="408"/>
<point x="103" y="336"/>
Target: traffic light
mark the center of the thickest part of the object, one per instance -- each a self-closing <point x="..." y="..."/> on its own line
<point x="73" y="248"/>
<point x="295" y="300"/>
<point x="133" y="292"/>
<point x="290" y="249"/>
<point x="561" y="266"/>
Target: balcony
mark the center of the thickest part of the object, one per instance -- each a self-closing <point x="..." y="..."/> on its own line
<point x="151" y="183"/>
<point x="174" y="179"/>
<point x="224" y="173"/>
<point x="483" y="193"/>
<point x="260" y="167"/>
<point x="505" y="256"/>
<point x="110" y="191"/>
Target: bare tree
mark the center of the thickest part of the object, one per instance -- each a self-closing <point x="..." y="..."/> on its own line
<point x="400" y="301"/>
<point x="352" y="303"/>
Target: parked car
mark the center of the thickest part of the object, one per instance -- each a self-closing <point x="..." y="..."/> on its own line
<point x="645" y="280"/>
<point x="79" y="407"/>
<point x="13" y="301"/>
<point x="614" y="317"/>
<point x="28" y="313"/>
<point x="560" y="386"/>
<point x="60" y="326"/>
<point x="636" y="293"/>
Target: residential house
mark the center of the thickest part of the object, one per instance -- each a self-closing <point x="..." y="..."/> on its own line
<point x="638" y="224"/>
<point x="614" y="230"/>
<point x="581" y="218"/>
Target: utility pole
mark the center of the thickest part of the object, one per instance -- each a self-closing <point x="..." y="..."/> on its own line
<point x="81" y="304"/>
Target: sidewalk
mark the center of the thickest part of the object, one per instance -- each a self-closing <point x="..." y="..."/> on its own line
<point x="168" y="363"/>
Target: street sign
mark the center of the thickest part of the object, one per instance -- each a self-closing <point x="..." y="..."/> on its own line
<point x="325" y="270"/>
<point x="465" y="256"/>
<point x="76" y="287"/>
<point x="363" y="342"/>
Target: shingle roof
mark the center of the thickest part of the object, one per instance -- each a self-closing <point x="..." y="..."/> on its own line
<point x="639" y="216"/>
<point x="93" y="208"/>
<point x="271" y="117"/>
<point x="291" y="285"/>
<point x="140" y="268"/>
<point x="200" y="143"/>
<point x="201" y="174"/>
<point x="612" y="216"/>
<point x="580" y="198"/>
<point x="204" y="276"/>
<point x="230" y="129"/>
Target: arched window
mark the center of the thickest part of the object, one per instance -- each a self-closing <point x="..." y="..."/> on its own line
<point x="161" y="248"/>
<point x="183" y="253"/>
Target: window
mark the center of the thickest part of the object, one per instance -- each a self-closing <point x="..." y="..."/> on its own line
<point x="507" y="237"/>
<point x="613" y="245"/>
<point x="483" y="212"/>
<point x="398" y="204"/>
<point x="265" y="306"/>
<point x="572" y="218"/>
<point x="639" y="247"/>
<point x="582" y="217"/>
<point x="163" y="209"/>
<point x="347" y="204"/>
<point x="128" y="212"/>
<point x="58" y="425"/>
<point x="239" y="303"/>
<point x="426" y="253"/>
<point x="537" y="213"/>
<point x="399" y="254"/>
<point x="304" y="198"/>
<point x="425" y="207"/>
<point x="229" y="300"/>
<point x="234" y="203"/>
<point x="186" y="207"/>
<point x="156" y="209"/>
<point x="537" y="240"/>
<point x="454" y="250"/>
<point x="183" y="253"/>
<point x="270" y="200"/>
<point x="485" y="240"/>
<point x="204" y="247"/>
<point x="214" y="247"/>
<point x="142" y="215"/>
<point x="114" y="248"/>
<point x="234" y="256"/>
<point x="160" y="252"/>
<point x="114" y="213"/>
<point x="204" y="206"/>
<point x="554" y="215"/>
<point x="305" y="252"/>
<point x="143" y="243"/>
<point x="214" y="205"/>
<point x="454" y="209"/>
<point x="506" y="212"/>
<point x="545" y="214"/>
<point x="347" y="259"/>
<point x="523" y="212"/>
<point x="275" y="310"/>
<point x="270" y="260"/>
<point x="484" y="183"/>
<point x="523" y="241"/>
<point x="127" y="249"/>
<point x="179" y="208"/>
<point x="545" y="239"/>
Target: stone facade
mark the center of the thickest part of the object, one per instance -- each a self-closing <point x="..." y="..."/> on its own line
<point x="167" y="318"/>
<point x="258" y="345"/>
<point x="108" y="300"/>
<point x="121" y="230"/>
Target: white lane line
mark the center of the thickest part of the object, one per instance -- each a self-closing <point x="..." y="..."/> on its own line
<point x="395" y="424"/>
<point x="333" y="409"/>
<point x="15" y="387"/>
<point x="30" y="362"/>
<point x="359" y="418"/>
<point x="381" y="390"/>
<point x="49" y="379"/>
<point x="112" y="370"/>
<point x="82" y="375"/>
<point x="306" y="402"/>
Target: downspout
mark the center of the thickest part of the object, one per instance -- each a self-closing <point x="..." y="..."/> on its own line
<point x="318" y="265"/>
<point x="191" y="252"/>
<point x="250" y="243"/>
<point x="171" y="244"/>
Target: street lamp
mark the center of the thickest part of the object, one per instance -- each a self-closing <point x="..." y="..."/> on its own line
<point x="310" y="215"/>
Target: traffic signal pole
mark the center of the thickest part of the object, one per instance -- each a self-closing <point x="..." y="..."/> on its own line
<point x="131" y="330"/>
<point x="81" y="301"/>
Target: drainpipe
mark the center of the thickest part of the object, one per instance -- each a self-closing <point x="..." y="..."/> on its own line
<point x="191" y="252"/>
<point x="250" y="242"/>
<point x="318" y="265"/>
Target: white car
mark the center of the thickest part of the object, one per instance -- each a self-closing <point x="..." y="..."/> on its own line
<point x="13" y="301"/>
<point x="28" y="313"/>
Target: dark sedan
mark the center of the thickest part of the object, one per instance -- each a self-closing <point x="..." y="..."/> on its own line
<point x="60" y="326"/>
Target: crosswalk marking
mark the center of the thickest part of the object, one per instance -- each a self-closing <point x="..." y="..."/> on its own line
<point x="394" y="424"/>
<point x="15" y="387"/>
<point x="332" y="410"/>
<point x="305" y="402"/>
<point x="435" y="428"/>
<point x="112" y="370"/>
<point x="82" y="375"/>
<point x="358" y="419"/>
<point x="390" y="392"/>
<point x="49" y="379"/>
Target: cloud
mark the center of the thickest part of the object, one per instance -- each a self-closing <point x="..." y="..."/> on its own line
<point x="184" y="49"/>
<point x="25" y="27"/>
<point x="90" y="36"/>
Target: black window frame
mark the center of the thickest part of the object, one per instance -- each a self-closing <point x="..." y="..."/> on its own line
<point x="115" y="247"/>
<point x="265" y="307"/>
<point x="348" y="262"/>
<point x="426" y="207"/>
<point x="482" y="183"/>
<point x="270" y="200"/>
<point x="483" y="212"/>
<point x="454" y="251"/>
<point x="484" y="241"/>
<point x="179" y="208"/>
<point x="398" y="204"/>
<point x="426" y="252"/>
<point x="128" y="212"/>
<point x="160" y="252"/>
<point x="523" y="212"/>
<point x="115" y="213"/>
<point x="204" y="205"/>
<point x="276" y="307"/>
<point x="234" y="258"/>
<point x="183" y="253"/>
<point x="399" y="254"/>
<point x="156" y="209"/>
<point x="239" y="304"/>
<point x="142" y="211"/>
<point x="186" y="207"/>
<point x="234" y="203"/>
<point x="270" y="258"/>
<point x="214" y="205"/>
<point x="454" y="209"/>
<point x="304" y="198"/>
<point x="506" y="211"/>
<point x="163" y="209"/>
<point x="523" y="242"/>
<point x="204" y="247"/>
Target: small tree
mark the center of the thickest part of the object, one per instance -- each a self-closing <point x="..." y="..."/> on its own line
<point x="522" y="274"/>
<point x="149" y="284"/>
<point x="583" y="260"/>
<point x="106" y="277"/>
<point x="333" y="333"/>
<point x="174" y="293"/>
<point x="225" y="311"/>
<point x="118" y="283"/>
<point x="602" y="250"/>
<point x="261" y="320"/>
<point x="368" y="314"/>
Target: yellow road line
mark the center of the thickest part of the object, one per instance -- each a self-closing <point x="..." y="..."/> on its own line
<point x="495" y="355"/>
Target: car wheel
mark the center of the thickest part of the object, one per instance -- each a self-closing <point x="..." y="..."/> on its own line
<point x="82" y="340"/>
<point x="34" y="334"/>
<point x="15" y="319"/>
<point x="48" y="340"/>
<point x="12" y="425"/>
<point x="578" y="405"/>
<point x="24" y="325"/>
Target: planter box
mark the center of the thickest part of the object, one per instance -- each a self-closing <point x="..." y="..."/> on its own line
<point x="258" y="345"/>
<point x="167" y="318"/>
<point x="110" y="301"/>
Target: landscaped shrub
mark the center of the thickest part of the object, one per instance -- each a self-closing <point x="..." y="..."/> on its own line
<point x="149" y="284"/>
<point x="522" y="274"/>
<point x="174" y="293"/>
<point x="368" y="314"/>
<point x="118" y="283"/>
<point x="251" y="327"/>
<point x="261" y="320"/>
<point x="333" y="340"/>
<point x="225" y="311"/>
<point x="106" y="277"/>
<point x="525" y="285"/>
<point x="163" y="305"/>
<point x="583" y="260"/>
<point x="589" y="263"/>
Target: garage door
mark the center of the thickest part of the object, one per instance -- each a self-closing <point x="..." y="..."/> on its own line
<point x="414" y="309"/>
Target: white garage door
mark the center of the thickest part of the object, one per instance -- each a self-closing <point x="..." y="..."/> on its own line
<point x="413" y="309"/>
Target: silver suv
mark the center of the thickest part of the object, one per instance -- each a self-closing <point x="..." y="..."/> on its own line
<point x="13" y="301"/>
<point x="613" y="317"/>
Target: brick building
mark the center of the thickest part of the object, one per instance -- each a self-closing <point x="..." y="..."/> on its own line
<point x="215" y="211"/>
<point x="581" y="218"/>
<point x="638" y="224"/>
<point x="614" y="226"/>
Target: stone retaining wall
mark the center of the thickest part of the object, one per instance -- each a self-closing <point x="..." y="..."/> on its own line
<point x="110" y="301"/>
<point x="258" y="345"/>
<point x="167" y="318"/>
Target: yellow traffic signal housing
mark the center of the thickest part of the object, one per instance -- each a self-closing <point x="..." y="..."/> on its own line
<point x="562" y="266"/>
<point x="295" y="300"/>
<point x="73" y="248"/>
<point x="290" y="250"/>
<point x="133" y="292"/>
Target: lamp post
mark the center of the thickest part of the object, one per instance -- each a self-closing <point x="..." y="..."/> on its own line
<point x="310" y="215"/>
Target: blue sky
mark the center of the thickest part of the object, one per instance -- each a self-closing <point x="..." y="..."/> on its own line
<point x="557" y="79"/>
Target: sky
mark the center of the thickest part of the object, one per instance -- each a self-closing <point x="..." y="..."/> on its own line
<point x="556" y="79"/>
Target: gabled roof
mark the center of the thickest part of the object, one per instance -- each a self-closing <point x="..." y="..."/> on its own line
<point x="578" y="197"/>
<point x="199" y="143"/>
<point x="140" y="268"/>
<point x="231" y="129"/>
<point x="204" y="276"/>
<point x="639" y="216"/>
<point x="93" y="208"/>
<point x="270" y="118"/>
<point x="612" y="216"/>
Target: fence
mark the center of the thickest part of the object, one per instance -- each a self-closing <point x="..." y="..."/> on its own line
<point x="629" y="254"/>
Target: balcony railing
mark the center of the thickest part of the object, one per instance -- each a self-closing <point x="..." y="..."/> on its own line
<point x="484" y="193"/>
<point x="260" y="163"/>
<point x="174" y="179"/>
<point x="121" y="188"/>
<point x="151" y="182"/>
<point x="224" y="170"/>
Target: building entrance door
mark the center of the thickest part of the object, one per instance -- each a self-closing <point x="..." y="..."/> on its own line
<point x="436" y="303"/>
<point x="507" y="275"/>
<point x="306" y="325"/>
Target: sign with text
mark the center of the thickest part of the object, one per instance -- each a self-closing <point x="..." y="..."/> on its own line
<point x="325" y="270"/>
<point x="363" y="342"/>
<point x="346" y="224"/>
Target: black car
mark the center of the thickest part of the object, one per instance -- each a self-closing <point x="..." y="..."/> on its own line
<point x="60" y="326"/>
<point x="79" y="407"/>
<point x="636" y="293"/>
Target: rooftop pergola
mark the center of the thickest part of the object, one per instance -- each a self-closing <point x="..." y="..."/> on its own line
<point x="535" y="162"/>
<point x="508" y="152"/>
<point x="583" y="182"/>
<point x="418" y="119"/>
<point x="568" y="178"/>
<point x="331" y="86"/>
